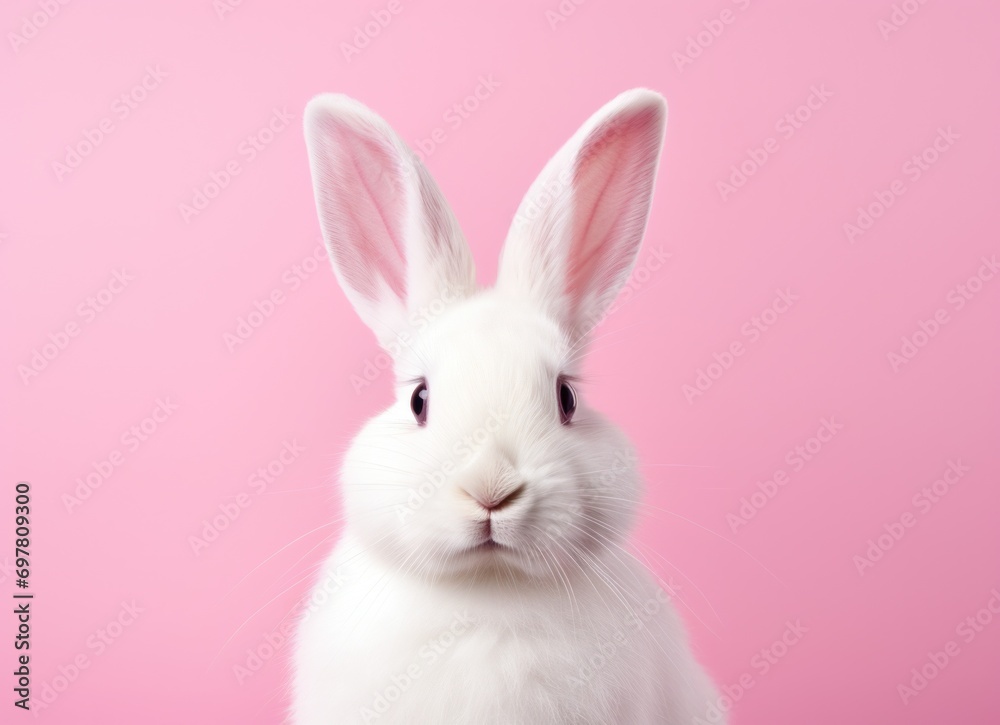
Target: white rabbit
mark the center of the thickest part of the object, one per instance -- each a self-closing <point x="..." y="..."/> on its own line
<point x="482" y="576"/>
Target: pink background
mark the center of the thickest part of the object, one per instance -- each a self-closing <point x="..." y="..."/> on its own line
<point x="162" y="336"/>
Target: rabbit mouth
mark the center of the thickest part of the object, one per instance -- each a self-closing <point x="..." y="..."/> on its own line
<point x="489" y="545"/>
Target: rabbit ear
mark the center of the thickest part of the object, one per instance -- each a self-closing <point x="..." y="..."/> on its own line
<point x="393" y="240"/>
<point x="577" y="233"/>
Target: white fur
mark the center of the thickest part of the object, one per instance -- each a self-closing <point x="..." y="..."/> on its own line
<point x="411" y="623"/>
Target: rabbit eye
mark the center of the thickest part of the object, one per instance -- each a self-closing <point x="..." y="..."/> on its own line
<point x="418" y="403"/>
<point x="567" y="401"/>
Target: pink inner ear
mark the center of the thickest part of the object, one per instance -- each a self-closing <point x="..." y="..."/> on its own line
<point x="367" y="197"/>
<point x="611" y="185"/>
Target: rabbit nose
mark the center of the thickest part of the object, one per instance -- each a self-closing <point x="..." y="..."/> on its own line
<point x="496" y="500"/>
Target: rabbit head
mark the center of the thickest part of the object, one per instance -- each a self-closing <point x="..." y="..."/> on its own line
<point x="489" y="459"/>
